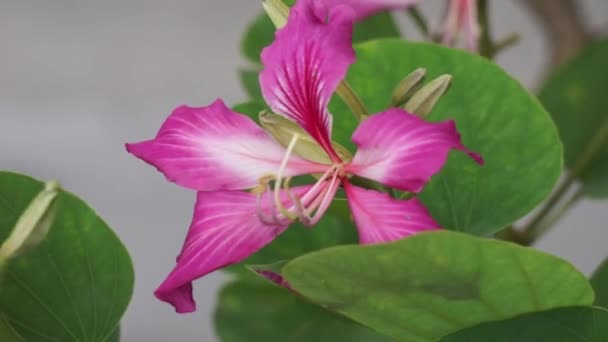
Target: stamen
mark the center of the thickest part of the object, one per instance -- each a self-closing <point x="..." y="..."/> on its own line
<point x="314" y="191"/>
<point x="260" y="210"/>
<point x="316" y="200"/>
<point x="279" y="179"/>
<point x="296" y="201"/>
<point x="326" y="201"/>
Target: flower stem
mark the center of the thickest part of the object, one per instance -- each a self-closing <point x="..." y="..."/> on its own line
<point x="546" y="224"/>
<point x="488" y="47"/>
<point x="536" y="227"/>
<point x="486" y="44"/>
<point x="419" y="20"/>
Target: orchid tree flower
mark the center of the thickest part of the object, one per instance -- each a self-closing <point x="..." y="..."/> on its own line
<point x="242" y="173"/>
<point x="461" y="19"/>
<point x="365" y="8"/>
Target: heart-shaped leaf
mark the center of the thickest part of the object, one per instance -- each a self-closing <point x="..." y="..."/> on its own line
<point x="575" y="96"/>
<point x="255" y="311"/>
<point x="7" y="332"/>
<point x="575" y="324"/>
<point x="496" y="117"/>
<point x="76" y="284"/>
<point x="434" y="284"/>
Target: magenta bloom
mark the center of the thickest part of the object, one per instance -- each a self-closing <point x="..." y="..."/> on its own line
<point x="242" y="173"/>
<point x="364" y="8"/>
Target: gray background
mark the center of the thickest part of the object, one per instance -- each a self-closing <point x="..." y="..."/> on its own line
<point x="79" y="78"/>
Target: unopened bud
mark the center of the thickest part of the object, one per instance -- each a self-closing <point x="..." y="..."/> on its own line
<point x="307" y="147"/>
<point x="33" y="224"/>
<point x="277" y="11"/>
<point x="424" y="100"/>
<point x="408" y="86"/>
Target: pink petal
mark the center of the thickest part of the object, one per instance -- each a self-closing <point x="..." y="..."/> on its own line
<point x="403" y="151"/>
<point x="304" y="65"/>
<point x="214" y="148"/>
<point x="225" y="230"/>
<point x="381" y="218"/>
<point x="365" y="8"/>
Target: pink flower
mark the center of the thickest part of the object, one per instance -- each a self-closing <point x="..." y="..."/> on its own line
<point x="365" y="8"/>
<point x="461" y="18"/>
<point x="242" y="174"/>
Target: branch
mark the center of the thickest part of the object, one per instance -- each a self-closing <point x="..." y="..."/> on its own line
<point x="564" y="26"/>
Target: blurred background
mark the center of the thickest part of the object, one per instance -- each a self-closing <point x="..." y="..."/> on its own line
<point x="79" y="78"/>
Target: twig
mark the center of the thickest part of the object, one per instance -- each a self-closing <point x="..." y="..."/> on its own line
<point x="533" y="230"/>
<point x="563" y="25"/>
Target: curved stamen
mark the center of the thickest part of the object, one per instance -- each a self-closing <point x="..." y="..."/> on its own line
<point x="328" y="195"/>
<point x="317" y="198"/>
<point x="296" y="202"/>
<point x="314" y="191"/>
<point x="279" y="179"/>
<point x="262" y="216"/>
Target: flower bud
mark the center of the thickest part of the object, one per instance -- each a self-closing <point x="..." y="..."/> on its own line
<point x="307" y="147"/>
<point x="408" y="86"/>
<point x="423" y="101"/>
<point x="33" y="224"/>
<point x="277" y="11"/>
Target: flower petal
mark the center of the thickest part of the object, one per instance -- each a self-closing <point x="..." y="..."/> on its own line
<point x="403" y="151"/>
<point x="365" y="8"/>
<point x="225" y="230"/>
<point x="214" y="148"/>
<point x="381" y="218"/>
<point x="305" y="64"/>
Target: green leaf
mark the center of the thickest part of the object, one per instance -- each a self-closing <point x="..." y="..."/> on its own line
<point x="251" y="109"/>
<point x="115" y="337"/>
<point x="251" y="84"/>
<point x="253" y="312"/>
<point x="433" y="284"/>
<point x="576" y="98"/>
<point x="7" y="332"/>
<point x="76" y="284"/>
<point x="599" y="281"/>
<point x="575" y="324"/>
<point x="378" y="26"/>
<point x="496" y="117"/>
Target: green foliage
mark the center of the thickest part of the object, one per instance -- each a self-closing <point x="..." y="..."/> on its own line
<point x="496" y="117"/>
<point x="76" y="284"/>
<point x="378" y="26"/>
<point x="576" y="98"/>
<point x="575" y="324"/>
<point x="434" y="284"/>
<point x="251" y="84"/>
<point x="599" y="281"/>
<point x="7" y="332"/>
<point x="255" y="311"/>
